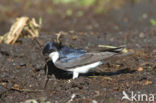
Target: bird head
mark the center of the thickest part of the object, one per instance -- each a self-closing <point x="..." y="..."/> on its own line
<point x="50" y="47"/>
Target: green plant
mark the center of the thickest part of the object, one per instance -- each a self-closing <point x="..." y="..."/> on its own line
<point x="77" y="2"/>
<point x="153" y="22"/>
<point x="69" y="12"/>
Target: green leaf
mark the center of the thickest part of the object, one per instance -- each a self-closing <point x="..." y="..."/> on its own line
<point x="69" y="12"/>
<point x="88" y="2"/>
<point x="153" y="22"/>
<point x="40" y="20"/>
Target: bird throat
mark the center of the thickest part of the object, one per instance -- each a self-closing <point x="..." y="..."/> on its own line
<point x="54" y="56"/>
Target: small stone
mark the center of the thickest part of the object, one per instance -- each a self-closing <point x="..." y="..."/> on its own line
<point x="140" y="69"/>
<point x="94" y="101"/>
<point x="141" y="35"/>
<point x="74" y="37"/>
<point x="148" y="82"/>
<point x="144" y="16"/>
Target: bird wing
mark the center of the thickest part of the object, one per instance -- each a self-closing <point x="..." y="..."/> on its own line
<point x="67" y="54"/>
<point x="85" y="59"/>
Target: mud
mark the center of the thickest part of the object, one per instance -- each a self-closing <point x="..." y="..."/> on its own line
<point x="22" y="66"/>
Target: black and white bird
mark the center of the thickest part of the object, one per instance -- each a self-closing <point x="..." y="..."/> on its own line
<point x="77" y="60"/>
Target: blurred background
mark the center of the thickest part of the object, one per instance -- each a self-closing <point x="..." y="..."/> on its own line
<point x="81" y="15"/>
<point x="88" y="24"/>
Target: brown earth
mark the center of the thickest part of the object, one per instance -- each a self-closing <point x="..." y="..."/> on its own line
<point x="22" y="74"/>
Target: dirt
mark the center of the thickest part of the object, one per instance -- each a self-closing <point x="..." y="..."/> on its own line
<point x="22" y="66"/>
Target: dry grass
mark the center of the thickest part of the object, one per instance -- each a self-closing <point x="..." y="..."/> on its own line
<point x="23" y="25"/>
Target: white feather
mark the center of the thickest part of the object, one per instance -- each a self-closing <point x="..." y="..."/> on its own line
<point x="84" y="69"/>
<point x="54" y="56"/>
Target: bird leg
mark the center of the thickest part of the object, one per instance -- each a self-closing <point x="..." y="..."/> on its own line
<point x="75" y="75"/>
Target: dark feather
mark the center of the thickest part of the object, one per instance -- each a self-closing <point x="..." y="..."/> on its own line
<point x="67" y="54"/>
<point x="88" y="58"/>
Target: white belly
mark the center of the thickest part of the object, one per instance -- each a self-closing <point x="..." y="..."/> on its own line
<point x="85" y="68"/>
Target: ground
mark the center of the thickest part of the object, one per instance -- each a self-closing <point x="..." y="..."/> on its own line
<point x="22" y="66"/>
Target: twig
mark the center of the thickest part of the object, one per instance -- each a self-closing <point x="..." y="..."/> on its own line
<point x="25" y="90"/>
<point x="106" y="46"/>
<point x="58" y="40"/>
<point x="47" y="77"/>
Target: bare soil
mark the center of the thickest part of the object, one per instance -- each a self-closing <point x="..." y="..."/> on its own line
<point x="22" y="66"/>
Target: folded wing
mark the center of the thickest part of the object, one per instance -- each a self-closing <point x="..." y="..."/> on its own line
<point x="88" y="58"/>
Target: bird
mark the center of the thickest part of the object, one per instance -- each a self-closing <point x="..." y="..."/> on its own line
<point x="77" y="61"/>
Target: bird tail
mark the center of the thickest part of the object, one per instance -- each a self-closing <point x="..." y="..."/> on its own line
<point x="120" y="49"/>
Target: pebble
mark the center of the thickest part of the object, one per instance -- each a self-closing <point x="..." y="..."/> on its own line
<point x="94" y="101"/>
